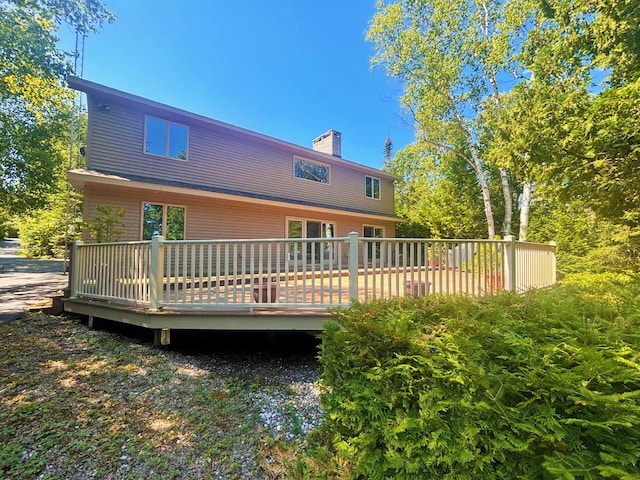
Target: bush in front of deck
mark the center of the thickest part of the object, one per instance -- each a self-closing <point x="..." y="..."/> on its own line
<point x="543" y="385"/>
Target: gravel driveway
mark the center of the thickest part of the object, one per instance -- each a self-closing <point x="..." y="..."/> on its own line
<point x="25" y="281"/>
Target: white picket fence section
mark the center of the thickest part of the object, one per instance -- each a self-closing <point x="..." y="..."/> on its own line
<point x="303" y="273"/>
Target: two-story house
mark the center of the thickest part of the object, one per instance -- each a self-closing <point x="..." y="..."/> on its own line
<point x="187" y="176"/>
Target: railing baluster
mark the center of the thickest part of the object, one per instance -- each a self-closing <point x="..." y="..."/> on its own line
<point x="218" y="273"/>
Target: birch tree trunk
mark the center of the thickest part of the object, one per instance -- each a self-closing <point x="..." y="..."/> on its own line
<point x="508" y="205"/>
<point x="486" y="196"/>
<point x="482" y="179"/>
<point x="491" y="75"/>
<point x="527" y="196"/>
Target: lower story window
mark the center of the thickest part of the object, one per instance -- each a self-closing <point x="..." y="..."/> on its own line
<point x="313" y="251"/>
<point x="160" y="219"/>
<point x="373" y="232"/>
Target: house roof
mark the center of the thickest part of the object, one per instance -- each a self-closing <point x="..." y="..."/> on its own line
<point x="105" y="92"/>
<point x="81" y="176"/>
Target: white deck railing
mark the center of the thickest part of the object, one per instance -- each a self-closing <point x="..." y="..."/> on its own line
<point x="281" y="273"/>
<point x="112" y="271"/>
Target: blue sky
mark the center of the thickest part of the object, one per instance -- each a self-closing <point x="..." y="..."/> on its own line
<point x="291" y="69"/>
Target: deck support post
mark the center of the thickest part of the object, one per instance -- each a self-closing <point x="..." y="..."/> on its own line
<point x="510" y="263"/>
<point x="353" y="266"/>
<point x="90" y="323"/>
<point x="161" y="337"/>
<point x="156" y="271"/>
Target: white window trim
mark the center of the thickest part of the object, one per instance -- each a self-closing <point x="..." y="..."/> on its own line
<point x="293" y="171"/>
<point x="373" y="179"/>
<point x="165" y="206"/>
<point x="166" y="138"/>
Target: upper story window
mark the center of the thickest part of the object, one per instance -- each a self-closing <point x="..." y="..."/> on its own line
<point x="165" y="139"/>
<point x="372" y="187"/>
<point x="309" y="170"/>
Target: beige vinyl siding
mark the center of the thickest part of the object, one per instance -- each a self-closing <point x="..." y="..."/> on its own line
<point x="208" y="218"/>
<point x="221" y="158"/>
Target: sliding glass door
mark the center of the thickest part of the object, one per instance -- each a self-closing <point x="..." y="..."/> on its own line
<point x="310" y="251"/>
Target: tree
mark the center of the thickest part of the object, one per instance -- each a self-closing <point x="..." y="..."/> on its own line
<point x="576" y="122"/>
<point x="450" y="55"/>
<point x="585" y="92"/>
<point x="438" y="197"/>
<point x="388" y="150"/>
<point x="35" y="108"/>
<point x="107" y="226"/>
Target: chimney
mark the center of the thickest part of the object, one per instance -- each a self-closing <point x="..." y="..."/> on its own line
<point x="329" y="142"/>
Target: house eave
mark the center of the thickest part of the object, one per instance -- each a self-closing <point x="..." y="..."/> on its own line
<point x="89" y="87"/>
<point x="82" y="176"/>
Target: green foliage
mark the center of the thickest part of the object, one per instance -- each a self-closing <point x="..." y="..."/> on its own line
<point x="107" y="226"/>
<point x="604" y="154"/>
<point x="40" y="234"/>
<point x="586" y="242"/>
<point x="568" y="123"/>
<point x="577" y="119"/>
<point x="44" y="232"/>
<point x="35" y="107"/>
<point x="33" y="156"/>
<point x="437" y="197"/>
<point x="450" y="56"/>
<point x="544" y="385"/>
<point x="7" y="228"/>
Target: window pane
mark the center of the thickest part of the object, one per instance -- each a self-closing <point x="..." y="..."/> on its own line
<point x="311" y="171"/>
<point x="313" y="230"/>
<point x="376" y="188"/>
<point x="177" y="141"/>
<point x="155" y="136"/>
<point x="294" y="230"/>
<point x="373" y="232"/>
<point x="328" y="230"/>
<point x="152" y="221"/>
<point x="368" y="188"/>
<point x="175" y="223"/>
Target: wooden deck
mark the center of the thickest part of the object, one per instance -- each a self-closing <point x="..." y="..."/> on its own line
<point x="257" y="285"/>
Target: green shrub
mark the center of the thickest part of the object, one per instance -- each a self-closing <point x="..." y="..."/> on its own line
<point x="543" y="385"/>
<point x="107" y="226"/>
<point x="7" y="227"/>
<point x="43" y="233"/>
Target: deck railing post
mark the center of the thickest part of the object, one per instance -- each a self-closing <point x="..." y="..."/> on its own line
<point x="74" y="269"/>
<point x="510" y="262"/>
<point x="353" y="265"/>
<point x="156" y="271"/>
